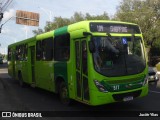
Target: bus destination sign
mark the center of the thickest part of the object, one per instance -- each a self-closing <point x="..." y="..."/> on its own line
<point x="118" y="29"/>
<point x="114" y="28"/>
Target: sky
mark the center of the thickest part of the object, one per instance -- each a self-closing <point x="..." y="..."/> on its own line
<point x="48" y="9"/>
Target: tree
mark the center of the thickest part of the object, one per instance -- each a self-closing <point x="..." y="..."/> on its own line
<point x="146" y="13"/>
<point x="58" y="22"/>
<point x="77" y="17"/>
<point x="39" y="31"/>
<point x="104" y="16"/>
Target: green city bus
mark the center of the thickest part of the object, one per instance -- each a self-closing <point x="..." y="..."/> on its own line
<point x="93" y="62"/>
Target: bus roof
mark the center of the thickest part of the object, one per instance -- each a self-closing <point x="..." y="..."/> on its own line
<point x="45" y="35"/>
<point x="23" y="41"/>
<point x="84" y="25"/>
<point x="69" y="28"/>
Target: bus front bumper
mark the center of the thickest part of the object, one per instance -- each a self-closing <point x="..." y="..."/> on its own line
<point x="99" y="98"/>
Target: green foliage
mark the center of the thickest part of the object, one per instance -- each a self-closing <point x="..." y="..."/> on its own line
<point x="146" y="13"/>
<point x="39" y="31"/>
<point x="155" y="50"/>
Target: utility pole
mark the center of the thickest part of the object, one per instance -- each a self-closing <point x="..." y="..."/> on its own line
<point x="4" y="23"/>
<point x="1" y="16"/>
<point x="3" y="6"/>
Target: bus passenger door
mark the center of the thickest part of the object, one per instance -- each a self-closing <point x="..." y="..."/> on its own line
<point x="32" y="51"/>
<point x="82" y="87"/>
<point x="13" y="63"/>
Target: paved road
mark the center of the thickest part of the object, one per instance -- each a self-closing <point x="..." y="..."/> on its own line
<point x="15" y="98"/>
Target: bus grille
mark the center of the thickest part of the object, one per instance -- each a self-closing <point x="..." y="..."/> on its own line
<point x="125" y="81"/>
<point x="120" y="97"/>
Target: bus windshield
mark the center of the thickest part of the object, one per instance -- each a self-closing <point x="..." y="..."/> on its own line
<point x="118" y="56"/>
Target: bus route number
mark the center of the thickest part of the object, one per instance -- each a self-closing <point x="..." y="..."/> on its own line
<point x="116" y="87"/>
<point x="100" y="28"/>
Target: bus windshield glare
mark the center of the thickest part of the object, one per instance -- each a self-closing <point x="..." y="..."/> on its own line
<point x="118" y="56"/>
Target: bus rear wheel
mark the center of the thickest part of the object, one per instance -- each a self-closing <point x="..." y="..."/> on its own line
<point x="63" y="94"/>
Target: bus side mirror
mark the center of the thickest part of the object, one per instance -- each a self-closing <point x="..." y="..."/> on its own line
<point x="92" y="47"/>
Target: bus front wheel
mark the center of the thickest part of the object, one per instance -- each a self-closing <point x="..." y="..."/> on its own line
<point x="63" y="93"/>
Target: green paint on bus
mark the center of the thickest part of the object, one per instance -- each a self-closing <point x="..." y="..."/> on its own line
<point x="93" y="62"/>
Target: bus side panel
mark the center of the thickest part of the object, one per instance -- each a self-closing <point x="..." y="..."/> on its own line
<point x="44" y="75"/>
<point x="72" y="71"/>
<point x="25" y="71"/>
<point x="60" y="71"/>
<point x="11" y="69"/>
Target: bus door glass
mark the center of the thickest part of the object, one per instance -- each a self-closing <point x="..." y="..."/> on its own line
<point x="82" y="90"/>
<point x="32" y="50"/>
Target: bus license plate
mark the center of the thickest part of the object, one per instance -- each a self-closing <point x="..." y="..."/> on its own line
<point x="128" y="98"/>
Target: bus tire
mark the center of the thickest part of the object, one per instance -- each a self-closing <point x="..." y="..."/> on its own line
<point x="63" y="93"/>
<point x="20" y="80"/>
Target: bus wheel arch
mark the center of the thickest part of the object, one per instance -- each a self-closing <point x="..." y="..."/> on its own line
<point x="62" y="90"/>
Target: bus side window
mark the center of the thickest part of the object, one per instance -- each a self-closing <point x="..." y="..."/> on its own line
<point x="18" y="52"/>
<point x="47" y="46"/>
<point x="62" y="48"/>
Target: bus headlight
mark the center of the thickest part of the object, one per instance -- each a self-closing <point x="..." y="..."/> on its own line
<point x="100" y="87"/>
<point x="145" y="80"/>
